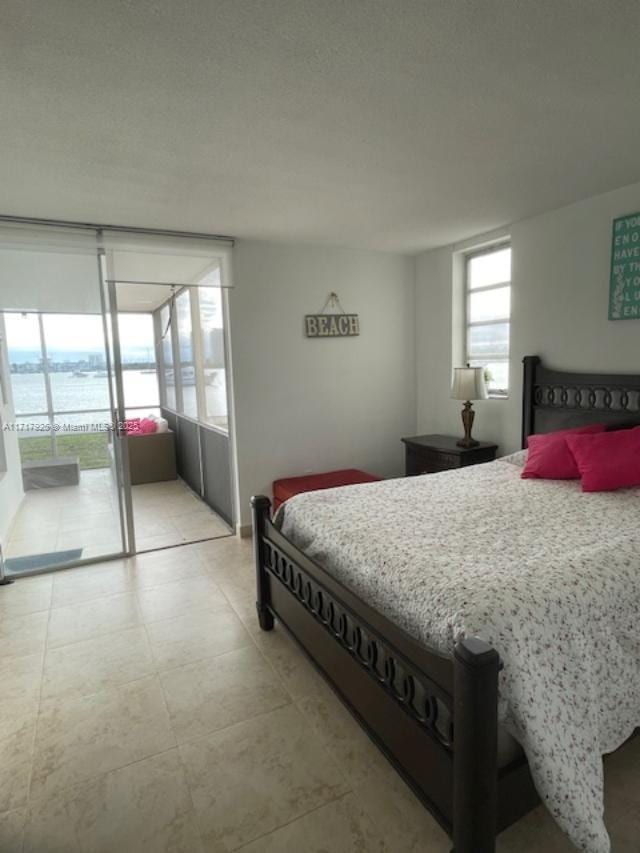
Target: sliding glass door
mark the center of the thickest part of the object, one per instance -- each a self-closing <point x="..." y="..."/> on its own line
<point x="67" y="386"/>
<point x="60" y="498"/>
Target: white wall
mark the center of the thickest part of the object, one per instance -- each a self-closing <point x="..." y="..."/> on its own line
<point x="11" y="492"/>
<point x="559" y="311"/>
<point x="305" y="405"/>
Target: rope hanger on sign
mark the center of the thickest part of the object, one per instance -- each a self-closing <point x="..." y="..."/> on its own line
<point x="333" y="302"/>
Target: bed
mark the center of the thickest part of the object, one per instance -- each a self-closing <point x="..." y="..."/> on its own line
<point x="487" y="667"/>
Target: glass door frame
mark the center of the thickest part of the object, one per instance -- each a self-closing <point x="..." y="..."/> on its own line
<point x="122" y="472"/>
<point x="116" y="402"/>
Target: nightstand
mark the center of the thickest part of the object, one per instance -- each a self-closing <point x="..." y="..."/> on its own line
<point x="426" y="454"/>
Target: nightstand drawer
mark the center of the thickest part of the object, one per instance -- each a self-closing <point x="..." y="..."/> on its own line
<point x="427" y="454"/>
<point x="429" y="461"/>
<point x="481" y="455"/>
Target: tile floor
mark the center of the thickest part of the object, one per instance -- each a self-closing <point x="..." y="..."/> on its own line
<point x="141" y="709"/>
<point x="86" y="516"/>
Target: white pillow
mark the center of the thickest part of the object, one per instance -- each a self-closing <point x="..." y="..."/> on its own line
<point x="163" y="425"/>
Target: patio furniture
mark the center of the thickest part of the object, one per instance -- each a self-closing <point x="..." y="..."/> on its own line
<point x="152" y="457"/>
<point x="50" y="473"/>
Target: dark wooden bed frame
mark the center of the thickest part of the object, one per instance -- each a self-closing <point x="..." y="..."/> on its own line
<point x="433" y="716"/>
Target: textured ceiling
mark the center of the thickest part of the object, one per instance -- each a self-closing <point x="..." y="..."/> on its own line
<point x="397" y="125"/>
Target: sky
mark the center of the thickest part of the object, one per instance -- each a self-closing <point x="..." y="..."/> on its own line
<point x="69" y="333"/>
<point x="62" y="332"/>
<point x="84" y="333"/>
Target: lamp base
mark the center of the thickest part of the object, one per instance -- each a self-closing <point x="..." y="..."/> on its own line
<point x="467" y="442"/>
<point x="468" y="416"/>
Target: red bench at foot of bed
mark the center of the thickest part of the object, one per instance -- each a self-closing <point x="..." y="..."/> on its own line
<point x="287" y="488"/>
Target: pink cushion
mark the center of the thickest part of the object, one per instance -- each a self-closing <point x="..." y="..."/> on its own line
<point x="549" y="457"/>
<point x="608" y="461"/>
<point x="147" y="426"/>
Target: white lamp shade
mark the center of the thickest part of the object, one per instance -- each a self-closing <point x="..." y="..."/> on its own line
<point x="468" y="384"/>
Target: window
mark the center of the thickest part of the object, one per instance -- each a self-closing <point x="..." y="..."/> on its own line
<point x="58" y="376"/>
<point x="79" y="340"/>
<point x="213" y="358"/>
<point x="192" y="323"/>
<point x="26" y="361"/>
<point x="139" y="368"/>
<point x="167" y="357"/>
<point x="488" y="292"/>
<point x="187" y="371"/>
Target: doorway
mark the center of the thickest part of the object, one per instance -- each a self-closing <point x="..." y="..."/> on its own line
<point x="77" y="369"/>
<point x="61" y="477"/>
<point x="172" y="358"/>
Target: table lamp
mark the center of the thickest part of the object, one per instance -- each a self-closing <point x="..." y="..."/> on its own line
<point x="468" y="384"/>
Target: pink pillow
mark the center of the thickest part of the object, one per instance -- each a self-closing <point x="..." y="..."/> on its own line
<point x="549" y="457"/>
<point x="147" y="426"/>
<point x="608" y="461"/>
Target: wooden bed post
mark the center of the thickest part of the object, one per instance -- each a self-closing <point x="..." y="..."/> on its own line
<point x="475" y="746"/>
<point x="531" y="363"/>
<point x="261" y="506"/>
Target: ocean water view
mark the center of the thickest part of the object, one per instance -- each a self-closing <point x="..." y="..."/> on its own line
<point x="80" y="394"/>
<point x="73" y="347"/>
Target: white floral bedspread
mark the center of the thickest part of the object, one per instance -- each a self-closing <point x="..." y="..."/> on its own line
<point x="546" y="574"/>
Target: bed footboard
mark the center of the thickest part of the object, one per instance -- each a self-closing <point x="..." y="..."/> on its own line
<point x="434" y="716"/>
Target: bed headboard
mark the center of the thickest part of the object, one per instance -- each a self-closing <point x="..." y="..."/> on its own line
<point x="555" y="399"/>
